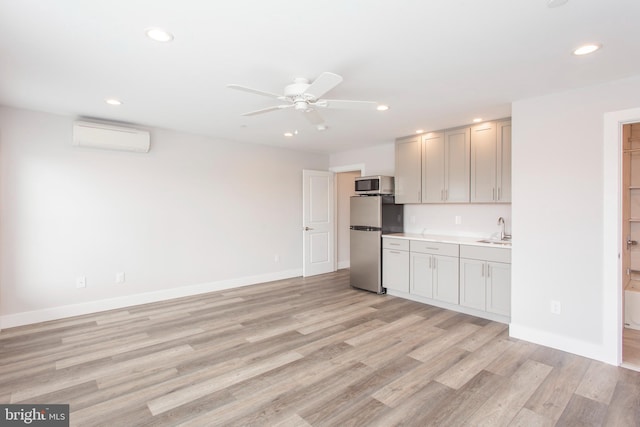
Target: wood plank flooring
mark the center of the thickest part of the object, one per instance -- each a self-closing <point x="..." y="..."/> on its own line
<point x="303" y="352"/>
<point x="631" y="347"/>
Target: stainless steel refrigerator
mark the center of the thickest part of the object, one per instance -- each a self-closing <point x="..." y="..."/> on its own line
<point x="371" y="217"/>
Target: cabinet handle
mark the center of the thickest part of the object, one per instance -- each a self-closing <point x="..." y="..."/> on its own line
<point x="394" y="252"/>
<point x="441" y="194"/>
<point x="482" y="274"/>
<point x="446" y="195"/>
<point x="433" y="249"/>
<point x="499" y="194"/>
<point x="394" y="244"/>
<point x="488" y="271"/>
<point x="493" y="194"/>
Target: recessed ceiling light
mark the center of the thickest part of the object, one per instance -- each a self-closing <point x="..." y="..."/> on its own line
<point x="586" y="49"/>
<point x="555" y="3"/>
<point x="288" y="134"/>
<point x="382" y="107"/>
<point x="321" y="127"/>
<point x="159" y="35"/>
<point x="420" y="131"/>
<point x="477" y="120"/>
<point x="113" y="101"/>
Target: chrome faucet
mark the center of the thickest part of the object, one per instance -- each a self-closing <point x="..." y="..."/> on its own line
<point x="503" y="235"/>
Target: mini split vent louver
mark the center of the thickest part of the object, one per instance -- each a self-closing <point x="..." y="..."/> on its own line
<point x="109" y="137"/>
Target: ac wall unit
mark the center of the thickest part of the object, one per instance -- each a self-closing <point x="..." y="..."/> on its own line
<point x="99" y="135"/>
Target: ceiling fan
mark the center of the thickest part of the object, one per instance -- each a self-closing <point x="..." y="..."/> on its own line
<point x="305" y="97"/>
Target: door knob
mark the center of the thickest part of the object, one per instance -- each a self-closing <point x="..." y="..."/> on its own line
<point x="308" y="228"/>
<point x="631" y="242"/>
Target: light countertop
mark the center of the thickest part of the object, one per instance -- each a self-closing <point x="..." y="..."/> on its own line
<point x="458" y="240"/>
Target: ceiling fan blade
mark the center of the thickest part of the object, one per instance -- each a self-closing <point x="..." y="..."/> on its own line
<point x="342" y="103"/>
<point x="255" y="91"/>
<point x="266" y="110"/>
<point x="313" y="117"/>
<point x="323" y="84"/>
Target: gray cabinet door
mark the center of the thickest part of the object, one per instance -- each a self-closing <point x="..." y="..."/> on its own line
<point x="433" y="167"/>
<point x="483" y="163"/>
<point x="408" y="174"/>
<point x="445" y="279"/>
<point x="457" y="164"/>
<point x="504" y="161"/>
<point x="472" y="283"/>
<point x="499" y="288"/>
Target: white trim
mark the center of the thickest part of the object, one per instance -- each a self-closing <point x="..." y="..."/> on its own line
<point x="559" y="342"/>
<point x="54" y="313"/>
<point x="344" y="264"/>
<point x="612" y="217"/>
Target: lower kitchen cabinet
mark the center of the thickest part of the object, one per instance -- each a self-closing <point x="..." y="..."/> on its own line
<point x="434" y="276"/>
<point x="499" y="288"/>
<point x="472" y="279"/>
<point x="395" y="264"/>
<point x="485" y="283"/>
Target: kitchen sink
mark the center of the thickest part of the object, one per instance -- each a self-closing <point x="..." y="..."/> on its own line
<point x="496" y="242"/>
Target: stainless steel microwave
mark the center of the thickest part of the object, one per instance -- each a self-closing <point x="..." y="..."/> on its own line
<point x="374" y="185"/>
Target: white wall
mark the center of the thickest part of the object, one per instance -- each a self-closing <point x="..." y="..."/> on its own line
<point x="377" y="160"/>
<point x="479" y="220"/>
<point x="193" y="214"/>
<point x="558" y="204"/>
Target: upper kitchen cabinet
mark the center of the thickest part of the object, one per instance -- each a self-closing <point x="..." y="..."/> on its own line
<point x="408" y="174"/>
<point x="433" y="170"/>
<point x="491" y="162"/>
<point x="462" y="165"/>
<point x="445" y="166"/>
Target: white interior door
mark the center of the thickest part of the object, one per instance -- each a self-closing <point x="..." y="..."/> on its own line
<point x="318" y="231"/>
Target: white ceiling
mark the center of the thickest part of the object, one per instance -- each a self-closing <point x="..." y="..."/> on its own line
<point x="437" y="64"/>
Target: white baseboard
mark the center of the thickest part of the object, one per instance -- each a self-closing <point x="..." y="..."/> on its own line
<point x="561" y="342"/>
<point x="343" y="264"/>
<point x="54" y="313"/>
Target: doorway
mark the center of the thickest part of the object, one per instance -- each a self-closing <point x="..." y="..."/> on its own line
<point x="630" y="238"/>
<point x="345" y="176"/>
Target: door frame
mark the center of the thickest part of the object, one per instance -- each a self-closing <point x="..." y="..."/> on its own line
<point x="612" y="232"/>
<point x="357" y="167"/>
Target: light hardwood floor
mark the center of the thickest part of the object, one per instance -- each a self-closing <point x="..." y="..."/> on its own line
<point x="304" y="352"/>
<point x="631" y="347"/>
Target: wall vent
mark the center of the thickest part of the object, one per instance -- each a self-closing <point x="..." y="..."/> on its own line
<point x="109" y="137"/>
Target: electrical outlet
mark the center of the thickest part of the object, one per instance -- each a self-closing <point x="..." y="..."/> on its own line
<point x="556" y="307"/>
<point x="81" y="282"/>
<point x="458" y="220"/>
<point x="119" y="277"/>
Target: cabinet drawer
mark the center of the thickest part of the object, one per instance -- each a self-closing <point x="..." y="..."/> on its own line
<point x="398" y="244"/>
<point x="448" y="249"/>
<point x="486" y="254"/>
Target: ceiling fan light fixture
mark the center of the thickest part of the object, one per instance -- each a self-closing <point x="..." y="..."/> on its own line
<point x="587" y="49"/>
<point x="159" y="35"/>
